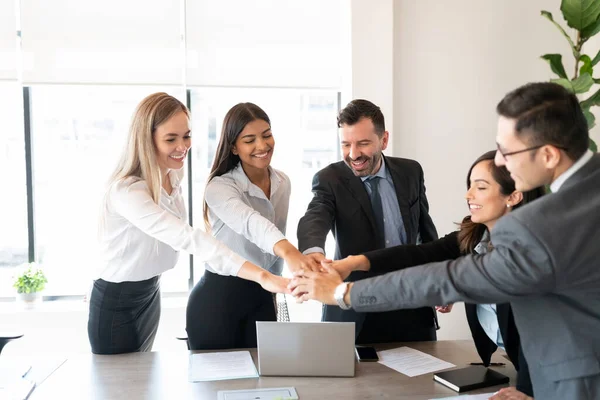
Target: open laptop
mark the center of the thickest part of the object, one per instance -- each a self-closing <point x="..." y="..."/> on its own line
<point x="305" y="348"/>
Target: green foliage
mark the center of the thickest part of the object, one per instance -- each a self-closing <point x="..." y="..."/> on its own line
<point x="580" y="14"/>
<point x="556" y="64"/>
<point x="584" y="17"/>
<point x="31" y="280"/>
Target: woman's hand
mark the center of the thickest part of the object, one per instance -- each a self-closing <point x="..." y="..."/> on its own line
<point x="444" y="309"/>
<point x="275" y="283"/>
<point x="345" y="266"/>
<point x="510" y="393"/>
<point x="270" y="282"/>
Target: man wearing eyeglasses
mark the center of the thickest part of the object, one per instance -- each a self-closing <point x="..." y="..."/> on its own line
<point x="546" y="258"/>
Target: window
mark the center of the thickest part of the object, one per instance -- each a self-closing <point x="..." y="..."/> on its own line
<point x="13" y="202"/>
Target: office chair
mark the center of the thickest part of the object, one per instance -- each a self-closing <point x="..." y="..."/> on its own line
<point x="6" y="337"/>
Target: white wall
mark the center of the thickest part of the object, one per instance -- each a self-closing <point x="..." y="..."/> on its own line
<point x="372" y="57"/>
<point x="453" y="62"/>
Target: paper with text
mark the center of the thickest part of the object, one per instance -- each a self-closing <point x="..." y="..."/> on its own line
<point x="221" y="366"/>
<point x="411" y="362"/>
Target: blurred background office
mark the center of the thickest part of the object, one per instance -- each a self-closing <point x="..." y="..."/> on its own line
<point x="71" y="73"/>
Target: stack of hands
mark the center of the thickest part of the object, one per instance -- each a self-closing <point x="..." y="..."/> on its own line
<point x="313" y="277"/>
<point x="316" y="278"/>
<point x="319" y="282"/>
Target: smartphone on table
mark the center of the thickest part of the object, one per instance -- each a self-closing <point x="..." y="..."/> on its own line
<point x="366" y="353"/>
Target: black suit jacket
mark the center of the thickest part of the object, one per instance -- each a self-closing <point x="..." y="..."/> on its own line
<point x="447" y="248"/>
<point x="342" y="204"/>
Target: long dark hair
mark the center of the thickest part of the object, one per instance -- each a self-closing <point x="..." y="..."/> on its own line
<point x="471" y="233"/>
<point x="234" y="123"/>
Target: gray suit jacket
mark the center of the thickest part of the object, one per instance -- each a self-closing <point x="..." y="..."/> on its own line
<point x="546" y="263"/>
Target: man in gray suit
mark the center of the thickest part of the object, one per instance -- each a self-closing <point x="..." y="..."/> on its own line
<point x="546" y="258"/>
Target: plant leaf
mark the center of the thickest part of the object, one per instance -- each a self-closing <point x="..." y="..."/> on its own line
<point x="580" y="14"/>
<point x="593" y="100"/>
<point x="586" y="68"/>
<point x="580" y="85"/>
<point x="591" y="30"/>
<point x="583" y="83"/>
<point x="548" y="15"/>
<point x="593" y="146"/>
<point x="564" y="83"/>
<point x="596" y="59"/>
<point x="556" y="65"/>
<point x="589" y="117"/>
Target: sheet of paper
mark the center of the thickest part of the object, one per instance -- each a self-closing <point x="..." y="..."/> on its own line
<point x="20" y="389"/>
<point x="482" y="396"/>
<point x="221" y="366"/>
<point x="286" y="393"/>
<point x="411" y="362"/>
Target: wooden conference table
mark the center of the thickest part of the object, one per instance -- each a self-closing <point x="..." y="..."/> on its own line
<point x="158" y="375"/>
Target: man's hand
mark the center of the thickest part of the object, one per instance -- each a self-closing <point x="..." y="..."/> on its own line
<point x="317" y="257"/>
<point x="297" y="262"/>
<point x="320" y="286"/>
<point x="510" y="393"/>
<point x="275" y="283"/>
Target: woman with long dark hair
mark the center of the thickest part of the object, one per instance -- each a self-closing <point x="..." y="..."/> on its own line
<point x="245" y="206"/>
<point x="490" y="195"/>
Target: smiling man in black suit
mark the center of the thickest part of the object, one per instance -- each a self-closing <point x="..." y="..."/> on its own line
<point x="370" y="202"/>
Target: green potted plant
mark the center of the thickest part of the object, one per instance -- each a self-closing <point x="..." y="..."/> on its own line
<point x="29" y="283"/>
<point x="584" y="17"/>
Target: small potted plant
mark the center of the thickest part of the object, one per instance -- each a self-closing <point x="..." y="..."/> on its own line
<point x="29" y="283"/>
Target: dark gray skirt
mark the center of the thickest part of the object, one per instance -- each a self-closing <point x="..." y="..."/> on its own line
<point x="124" y="316"/>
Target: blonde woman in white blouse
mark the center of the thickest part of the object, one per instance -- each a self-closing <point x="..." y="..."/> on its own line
<point x="246" y="206"/>
<point x="143" y="227"/>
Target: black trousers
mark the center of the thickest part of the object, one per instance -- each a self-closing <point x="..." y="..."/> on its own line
<point x="124" y="316"/>
<point x="222" y="312"/>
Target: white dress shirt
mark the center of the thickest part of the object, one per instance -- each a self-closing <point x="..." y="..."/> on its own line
<point x="140" y="239"/>
<point x="558" y="182"/>
<point x="487" y="313"/>
<point x="243" y="218"/>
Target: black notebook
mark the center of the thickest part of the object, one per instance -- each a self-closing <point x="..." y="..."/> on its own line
<point x="474" y="377"/>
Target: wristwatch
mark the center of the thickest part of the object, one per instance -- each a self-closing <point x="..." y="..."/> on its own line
<point x="338" y="295"/>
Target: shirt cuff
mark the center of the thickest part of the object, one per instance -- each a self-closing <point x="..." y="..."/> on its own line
<point x="271" y="239"/>
<point x="235" y="264"/>
<point x="313" y="250"/>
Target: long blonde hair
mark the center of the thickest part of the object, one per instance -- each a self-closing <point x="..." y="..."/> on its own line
<point x="139" y="157"/>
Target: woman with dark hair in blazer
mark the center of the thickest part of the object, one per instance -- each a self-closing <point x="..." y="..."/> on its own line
<point x="245" y="206"/>
<point x="490" y="195"/>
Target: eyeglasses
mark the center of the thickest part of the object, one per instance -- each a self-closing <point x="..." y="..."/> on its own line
<point x="505" y="155"/>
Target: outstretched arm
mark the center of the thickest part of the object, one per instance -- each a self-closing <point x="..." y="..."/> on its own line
<point x="519" y="266"/>
<point x="316" y="223"/>
<point x="399" y="257"/>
